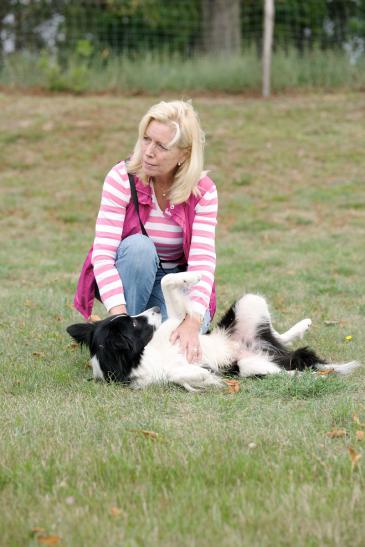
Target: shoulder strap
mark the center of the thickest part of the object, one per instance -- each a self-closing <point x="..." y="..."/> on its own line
<point x="135" y="201"/>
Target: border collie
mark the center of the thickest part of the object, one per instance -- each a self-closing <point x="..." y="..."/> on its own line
<point x="136" y="349"/>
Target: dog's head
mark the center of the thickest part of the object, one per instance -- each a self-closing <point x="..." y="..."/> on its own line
<point x="116" y="343"/>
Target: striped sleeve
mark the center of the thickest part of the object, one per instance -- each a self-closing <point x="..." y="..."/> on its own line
<point x="115" y="197"/>
<point x="202" y="257"/>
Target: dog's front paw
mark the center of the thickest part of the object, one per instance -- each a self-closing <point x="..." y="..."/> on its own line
<point x="182" y="280"/>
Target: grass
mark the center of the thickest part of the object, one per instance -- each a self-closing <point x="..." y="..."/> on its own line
<point x="251" y="468"/>
<point x="152" y="73"/>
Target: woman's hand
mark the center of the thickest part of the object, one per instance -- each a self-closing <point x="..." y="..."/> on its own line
<point x="117" y="310"/>
<point x="187" y="334"/>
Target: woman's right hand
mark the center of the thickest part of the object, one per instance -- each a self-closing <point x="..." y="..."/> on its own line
<point x="117" y="310"/>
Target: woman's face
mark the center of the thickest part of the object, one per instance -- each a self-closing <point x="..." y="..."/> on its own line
<point x="158" y="160"/>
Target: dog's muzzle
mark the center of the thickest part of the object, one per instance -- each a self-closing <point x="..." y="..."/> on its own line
<point x="153" y="316"/>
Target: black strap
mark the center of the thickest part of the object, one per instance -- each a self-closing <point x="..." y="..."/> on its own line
<point x="135" y="201"/>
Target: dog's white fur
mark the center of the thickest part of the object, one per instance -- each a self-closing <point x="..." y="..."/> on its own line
<point x="163" y="362"/>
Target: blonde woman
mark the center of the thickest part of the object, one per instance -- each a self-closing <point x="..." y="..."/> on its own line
<point x="178" y="208"/>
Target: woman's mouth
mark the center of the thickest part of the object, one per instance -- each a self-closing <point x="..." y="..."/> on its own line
<point x="147" y="164"/>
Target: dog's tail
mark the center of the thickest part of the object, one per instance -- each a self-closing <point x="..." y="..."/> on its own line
<point x="340" y="368"/>
<point x="305" y="357"/>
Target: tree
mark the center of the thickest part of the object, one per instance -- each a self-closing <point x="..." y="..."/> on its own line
<point x="221" y="26"/>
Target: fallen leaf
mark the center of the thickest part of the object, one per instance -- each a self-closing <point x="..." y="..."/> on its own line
<point x="336" y="433"/>
<point x="38" y="354"/>
<point x="354" y="456"/>
<point x="115" y="511"/>
<point x="252" y="445"/>
<point x="348" y="338"/>
<point x="49" y="539"/>
<point x="326" y="371"/>
<point x="149" y="434"/>
<point x="73" y="345"/>
<point x="331" y="323"/>
<point x="360" y="435"/>
<point x="233" y="386"/>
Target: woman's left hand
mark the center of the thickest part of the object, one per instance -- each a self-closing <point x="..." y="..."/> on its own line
<point x="187" y="334"/>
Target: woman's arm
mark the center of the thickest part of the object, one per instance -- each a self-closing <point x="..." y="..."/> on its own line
<point x="202" y="259"/>
<point x="108" y="232"/>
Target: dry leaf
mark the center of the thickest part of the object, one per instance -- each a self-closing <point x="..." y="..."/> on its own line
<point x="354" y="456"/>
<point x="326" y="371"/>
<point x="115" y="511"/>
<point x="335" y="433"/>
<point x="149" y="434"/>
<point x="48" y="539"/>
<point x="348" y="338"/>
<point x="94" y="318"/>
<point x="233" y="386"/>
<point x="330" y="323"/>
<point x="38" y="353"/>
<point x="360" y="435"/>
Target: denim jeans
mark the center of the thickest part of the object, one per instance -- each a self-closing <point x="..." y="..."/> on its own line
<point x="138" y="266"/>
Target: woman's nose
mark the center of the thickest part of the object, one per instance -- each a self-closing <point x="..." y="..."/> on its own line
<point x="150" y="149"/>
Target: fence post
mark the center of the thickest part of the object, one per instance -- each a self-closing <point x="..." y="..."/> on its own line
<point x="267" y="47"/>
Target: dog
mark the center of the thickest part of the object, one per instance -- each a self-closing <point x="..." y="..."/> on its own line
<point x="136" y="350"/>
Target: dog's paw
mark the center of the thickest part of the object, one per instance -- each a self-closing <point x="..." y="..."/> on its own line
<point x="303" y="326"/>
<point x="183" y="280"/>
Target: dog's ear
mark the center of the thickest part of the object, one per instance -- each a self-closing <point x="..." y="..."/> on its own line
<point x="81" y="332"/>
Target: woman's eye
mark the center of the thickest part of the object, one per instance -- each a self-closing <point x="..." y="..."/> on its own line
<point x="162" y="147"/>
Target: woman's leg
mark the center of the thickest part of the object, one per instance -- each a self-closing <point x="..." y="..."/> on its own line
<point x="156" y="298"/>
<point x="137" y="265"/>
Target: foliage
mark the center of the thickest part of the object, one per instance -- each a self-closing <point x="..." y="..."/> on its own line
<point x="133" y="26"/>
<point x="86" y="71"/>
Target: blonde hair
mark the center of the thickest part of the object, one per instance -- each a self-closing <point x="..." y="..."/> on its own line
<point x="189" y="137"/>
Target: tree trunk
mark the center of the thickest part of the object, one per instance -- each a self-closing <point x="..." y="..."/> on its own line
<point x="221" y="26"/>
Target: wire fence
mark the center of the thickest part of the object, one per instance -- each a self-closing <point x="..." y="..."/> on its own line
<point x="184" y="27"/>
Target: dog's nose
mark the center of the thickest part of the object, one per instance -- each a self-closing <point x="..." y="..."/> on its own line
<point x="156" y="309"/>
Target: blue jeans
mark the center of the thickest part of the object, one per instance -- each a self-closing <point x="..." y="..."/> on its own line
<point x="138" y="266"/>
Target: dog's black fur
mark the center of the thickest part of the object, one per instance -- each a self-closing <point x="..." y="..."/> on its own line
<point x="117" y="342"/>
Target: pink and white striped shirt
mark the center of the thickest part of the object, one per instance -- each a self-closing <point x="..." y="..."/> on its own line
<point x="164" y="232"/>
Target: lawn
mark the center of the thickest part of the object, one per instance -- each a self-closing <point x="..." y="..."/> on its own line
<point x="277" y="463"/>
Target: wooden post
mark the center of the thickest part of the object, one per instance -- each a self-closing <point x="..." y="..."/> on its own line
<point x="267" y="47"/>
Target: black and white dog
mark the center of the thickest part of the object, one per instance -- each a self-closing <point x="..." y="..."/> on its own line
<point x="136" y="349"/>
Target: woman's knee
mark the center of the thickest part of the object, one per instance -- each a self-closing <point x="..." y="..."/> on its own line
<point x="138" y="249"/>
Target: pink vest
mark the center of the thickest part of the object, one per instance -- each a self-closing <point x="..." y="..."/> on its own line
<point x="183" y="214"/>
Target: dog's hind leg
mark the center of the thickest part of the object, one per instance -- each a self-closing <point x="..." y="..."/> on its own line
<point x="251" y="364"/>
<point x="175" y="288"/>
<point x="297" y="331"/>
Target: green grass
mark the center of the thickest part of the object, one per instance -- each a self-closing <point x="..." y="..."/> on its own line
<point x="252" y="468"/>
<point x="152" y="73"/>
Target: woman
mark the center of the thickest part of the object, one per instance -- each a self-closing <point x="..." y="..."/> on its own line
<point x="178" y="207"/>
